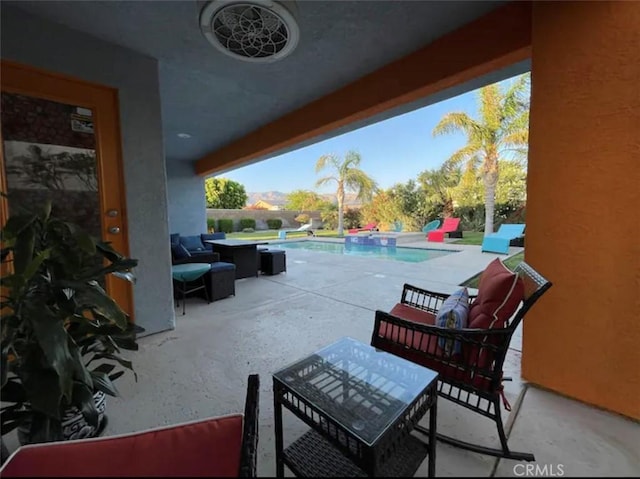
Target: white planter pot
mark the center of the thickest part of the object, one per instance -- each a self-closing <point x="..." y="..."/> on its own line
<point x="74" y="425"/>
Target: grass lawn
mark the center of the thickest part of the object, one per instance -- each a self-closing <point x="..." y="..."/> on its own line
<point x="510" y="263"/>
<point x="470" y="237"/>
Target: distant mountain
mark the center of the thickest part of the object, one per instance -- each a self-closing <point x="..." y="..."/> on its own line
<point x="274" y="197"/>
<point x="278" y="198"/>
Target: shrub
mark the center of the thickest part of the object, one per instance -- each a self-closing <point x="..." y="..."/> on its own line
<point x="329" y="218"/>
<point x="274" y="223"/>
<point x="352" y="218"/>
<point x="211" y="225"/>
<point x="225" y="225"/>
<point x="302" y="218"/>
<point x="247" y="223"/>
<point x="472" y="217"/>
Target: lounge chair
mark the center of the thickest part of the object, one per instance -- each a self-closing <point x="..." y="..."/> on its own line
<point x="449" y="226"/>
<point x="430" y="226"/>
<point x="282" y="234"/>
<point x="367" y="227"/>
<point x="499" y="242"/>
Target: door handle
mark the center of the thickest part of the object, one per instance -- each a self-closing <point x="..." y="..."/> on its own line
<point x="114" y="230"/>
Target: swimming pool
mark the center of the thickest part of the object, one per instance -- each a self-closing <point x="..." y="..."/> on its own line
<point x="409" y="255"/>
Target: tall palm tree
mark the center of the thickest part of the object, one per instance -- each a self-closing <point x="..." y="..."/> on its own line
<point x="501" y="129"/>
<point x="348" y="177"/>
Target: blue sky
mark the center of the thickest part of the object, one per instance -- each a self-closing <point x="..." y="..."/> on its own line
<point x="393" y="151"/>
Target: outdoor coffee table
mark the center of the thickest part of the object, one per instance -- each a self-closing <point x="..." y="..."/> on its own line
<point x="361" y="405"/>
<point x="242" y="253"/>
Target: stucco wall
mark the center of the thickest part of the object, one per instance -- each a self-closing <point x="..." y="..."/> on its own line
<point x="186" y="199"/>
<point x="583" y="338"/>
<point x="30" y="40"/>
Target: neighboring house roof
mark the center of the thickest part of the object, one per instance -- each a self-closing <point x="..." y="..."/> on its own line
<point x="265" y="205"/>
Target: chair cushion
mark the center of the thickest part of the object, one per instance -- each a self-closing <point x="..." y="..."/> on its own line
<point x="205" y="448"/>
<point x="222" y="266"/>
<point x="412" y="314"/>
<point x="178" y="251"/>
<point x="213" y="236"/>
<point x="499" y="294"/>
<point x="192" y="243"/>
<point x="453" y="314"/>
<point x="272" y="251"/>
<point x="413" y="345"/>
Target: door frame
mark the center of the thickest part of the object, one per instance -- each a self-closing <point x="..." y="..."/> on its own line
<point x="35" y="82"/>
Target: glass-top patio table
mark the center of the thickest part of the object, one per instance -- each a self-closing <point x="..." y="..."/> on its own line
<point x="361" y="405"/>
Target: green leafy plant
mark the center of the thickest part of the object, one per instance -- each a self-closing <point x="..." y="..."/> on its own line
<point x="302" y="218"/>
<point x="274" y="223"/>
<point x="247" y="223"/>
<point x="225" y="225"/>
<point x="211" y="225"/>
<point x="62" y="334"/>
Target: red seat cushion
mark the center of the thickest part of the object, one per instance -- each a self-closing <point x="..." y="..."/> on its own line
<point x="425" y="349"/>
<point x="208" y="447"/>
<point x="412" y="314"/>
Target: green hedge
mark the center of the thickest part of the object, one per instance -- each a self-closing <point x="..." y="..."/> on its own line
<point x="211" y="224"/>
<point x="225" y="225"/>
<point x="274" y="223"/>
<point x="247" y="223"/>
<point x="472" y="217"/>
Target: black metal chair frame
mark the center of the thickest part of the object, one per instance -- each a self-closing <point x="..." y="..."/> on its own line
<point x="464" y="379"/>
<point x="249" y="447"/>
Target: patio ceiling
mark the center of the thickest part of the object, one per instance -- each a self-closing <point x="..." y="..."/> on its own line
<point x="217" y="99"/>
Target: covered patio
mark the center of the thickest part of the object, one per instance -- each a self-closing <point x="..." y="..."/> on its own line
<point x="193" y="371"/>
<point x="579" y="346"/>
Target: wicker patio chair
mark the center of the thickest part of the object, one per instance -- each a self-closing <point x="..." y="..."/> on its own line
<point x="470" y="374"/>
<point x="223" y="446"/>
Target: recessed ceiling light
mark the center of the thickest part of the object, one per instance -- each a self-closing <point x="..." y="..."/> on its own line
<point x="184" y="135"/>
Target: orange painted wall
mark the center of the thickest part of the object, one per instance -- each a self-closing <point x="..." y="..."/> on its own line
<point x="583" y="338"/>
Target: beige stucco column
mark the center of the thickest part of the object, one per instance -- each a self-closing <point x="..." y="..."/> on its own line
<point x="583" y="213"/>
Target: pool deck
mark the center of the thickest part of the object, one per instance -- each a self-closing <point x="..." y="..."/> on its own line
<point x="200" y="369"/>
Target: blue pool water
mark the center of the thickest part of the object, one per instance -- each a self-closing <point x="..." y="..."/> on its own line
<point x="410" y="255"/>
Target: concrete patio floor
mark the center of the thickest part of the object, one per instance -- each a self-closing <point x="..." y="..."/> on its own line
<point x="200" y="369"/>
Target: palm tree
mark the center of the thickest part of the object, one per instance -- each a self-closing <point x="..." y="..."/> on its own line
<point x="348" y="177"/>
<point x="438" y="186"/>
<point x="502" y="128"/>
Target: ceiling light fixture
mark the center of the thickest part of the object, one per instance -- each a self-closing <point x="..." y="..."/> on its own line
<point x="253" y="30"/>
<point x="184" y="135"/>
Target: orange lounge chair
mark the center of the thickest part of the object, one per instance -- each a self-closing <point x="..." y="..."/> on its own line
<point x="450" y="225"/>
<point x="367" y="227"/>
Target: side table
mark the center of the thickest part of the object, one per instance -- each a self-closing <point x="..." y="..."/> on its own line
<point x="361" y="405"/>
<point x="187" y="273"/>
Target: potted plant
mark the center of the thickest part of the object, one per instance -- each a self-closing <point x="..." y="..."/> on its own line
<point x="61" y="332"/>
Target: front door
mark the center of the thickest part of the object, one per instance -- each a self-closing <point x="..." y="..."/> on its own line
<point x="60" y="140"/>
